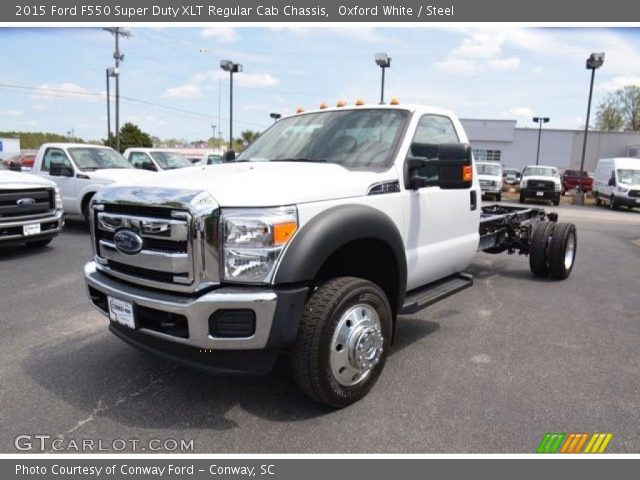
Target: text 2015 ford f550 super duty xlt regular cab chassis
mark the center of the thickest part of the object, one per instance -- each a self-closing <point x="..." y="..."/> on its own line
<point x="312" y="241"/>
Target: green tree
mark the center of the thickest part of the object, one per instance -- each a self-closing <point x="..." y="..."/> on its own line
<point x="130" y="136"/>
<point x="620" y="110"/>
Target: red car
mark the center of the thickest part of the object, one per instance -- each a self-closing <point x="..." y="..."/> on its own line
<point x="25" y="160"/>
<point x="571" y="178"/>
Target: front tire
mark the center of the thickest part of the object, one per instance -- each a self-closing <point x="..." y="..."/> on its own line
<point x="522" y="199"/>
<point x="499" y="197"/>
<point x="342" y="342"/>
<point x="612" y="202"/>
<point x="598" y="201"/>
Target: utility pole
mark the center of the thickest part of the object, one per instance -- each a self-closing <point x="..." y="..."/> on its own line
<point x="117" y="32"/>
<point x="213" y="138"/>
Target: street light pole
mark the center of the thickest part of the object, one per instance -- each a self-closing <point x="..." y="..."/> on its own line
<point x="117" y="32"/>
<point x="213" y="129"/>
<point x="539" y="121"/>
<point x="595" y="61"/>
<point x="231" y="67"/>
<point x="383" y="61"/>
<point x="108" y="109"/>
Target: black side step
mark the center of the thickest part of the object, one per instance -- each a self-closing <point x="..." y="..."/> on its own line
<point x="422" y="297"/>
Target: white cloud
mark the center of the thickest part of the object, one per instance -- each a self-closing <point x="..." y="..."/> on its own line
<point x="11" y="113"/>
<point x="30" y="123"/>
<point x="617" y="83"/>
<point x="221" y="34"/>
<point x="183" y="91"/>
<point x="48" y="92"/>
<point x="457" y="65"/>
<point x="247" y="80"/>
<point x="504" y="63"/>
<point x="519" y="113"/>
<point x="357" y="33"/>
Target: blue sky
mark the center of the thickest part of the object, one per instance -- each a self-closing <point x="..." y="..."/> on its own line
<point x="487" y="72"/>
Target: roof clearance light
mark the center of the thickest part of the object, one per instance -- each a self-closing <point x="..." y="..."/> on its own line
<point x="359" y="102"/>
<point x="299" y="110"/>
<point x="394" y="101"/>
<point x="341" y="103"/>
<point x="324" y="105"/>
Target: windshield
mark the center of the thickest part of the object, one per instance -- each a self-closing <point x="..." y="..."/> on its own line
<point x="88" y="158"/>
<point x="364" y="138"/>
<point x="214" y="159"/>
<point x="488" y="169"/>
<point x="629" y="176"/>
<point x="511" y="173"/>
<point x="540" y="172"/>
<point x="171" y="160"/>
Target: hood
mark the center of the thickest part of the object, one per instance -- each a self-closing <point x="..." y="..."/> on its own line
<point x="248" y="184"/>
<point x="110" y="175"/>
<point x="494" y="178"/>
<point x="541" y="177"/>
<point x="17" y="180"/>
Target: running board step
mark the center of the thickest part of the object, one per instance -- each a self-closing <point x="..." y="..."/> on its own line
<point x="421" y="298"/>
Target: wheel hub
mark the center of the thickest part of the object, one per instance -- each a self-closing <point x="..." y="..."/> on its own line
<point x="357" y="345"/>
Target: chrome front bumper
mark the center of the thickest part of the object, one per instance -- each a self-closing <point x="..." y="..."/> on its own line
<point x="197" y="310"/>
<point x="57" y="217"/>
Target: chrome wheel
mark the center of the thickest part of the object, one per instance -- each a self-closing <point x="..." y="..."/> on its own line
<point x="356" y="346"/>
<point x="570" y="252"/>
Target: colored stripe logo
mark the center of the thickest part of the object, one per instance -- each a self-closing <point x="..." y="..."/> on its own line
<point x="574" y="442"/>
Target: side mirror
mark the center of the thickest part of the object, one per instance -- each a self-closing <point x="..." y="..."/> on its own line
<point x="148" y="166"/>
<point x="612" y="182"/>
<point x="450" y="165"/>
<point x="15" y="167"/>
<point x="229" y="156"/>
<point x="60" y="169"/>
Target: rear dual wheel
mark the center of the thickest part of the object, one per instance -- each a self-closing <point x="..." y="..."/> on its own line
<point x="553" y="249"/>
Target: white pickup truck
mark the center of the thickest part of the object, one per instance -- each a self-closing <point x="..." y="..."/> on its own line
<point x="313" y="241"/>
<point x="80" y="170"/>
<point x="30" y="209"/>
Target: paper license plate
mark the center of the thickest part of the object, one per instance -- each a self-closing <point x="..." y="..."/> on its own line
<point x="33" y="229"/>
<point x="121" y="312"/>
<point x="540" y="194"/>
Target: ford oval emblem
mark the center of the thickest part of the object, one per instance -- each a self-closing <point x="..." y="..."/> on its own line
<point x="26" y="202"/>
<point x="127" y="242"/>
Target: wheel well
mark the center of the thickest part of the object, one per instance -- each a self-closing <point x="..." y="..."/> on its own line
<point x="85" y="200"/>
<point x="370" y="259"/>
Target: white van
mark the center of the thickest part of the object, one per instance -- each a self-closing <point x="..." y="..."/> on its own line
<point x="617" y="182"/>
<point x="490" y="176"/>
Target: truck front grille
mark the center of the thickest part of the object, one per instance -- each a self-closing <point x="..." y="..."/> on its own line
<point x="26" y="203"/>
<point x="170" y="251"/>
<point x="541" y="185"/>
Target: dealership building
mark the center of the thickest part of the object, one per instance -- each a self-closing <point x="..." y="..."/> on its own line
<point x="502" y="141"/>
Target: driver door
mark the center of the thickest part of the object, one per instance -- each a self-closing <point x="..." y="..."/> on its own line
<point x="67" y="184"/>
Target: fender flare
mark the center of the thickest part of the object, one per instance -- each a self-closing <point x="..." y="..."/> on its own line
<point x="332" y="229"/>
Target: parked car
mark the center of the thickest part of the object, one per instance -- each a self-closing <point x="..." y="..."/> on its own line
<point x="30" y="208"/>
<point x="210" y="158"/>
<point x="80" y="170"/>
<point x="156" y="159"/>
<point x="511" y="176"/>
<point x="328" y="227"/>
<point x="24" y="160"/>
<point x="540" y="182"/>
<point x="490" y="177"/>
<point x="571" y="179"/>
<point x="617" y="182"/>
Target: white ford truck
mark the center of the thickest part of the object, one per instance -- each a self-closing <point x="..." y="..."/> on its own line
<point x="313" y="241"/>
<point x="30" y="209"/>
<point x="80" y="170"/>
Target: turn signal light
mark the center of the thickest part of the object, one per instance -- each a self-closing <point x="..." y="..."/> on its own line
<point x="341" y="103"/>
<point x="394" y="101"/>
<point x="282" y="232"/>
<point x="359" y="102"/>
<point x="299" y="110"/>
<point x="324" y="105"/>
<point x="467" y="173"/>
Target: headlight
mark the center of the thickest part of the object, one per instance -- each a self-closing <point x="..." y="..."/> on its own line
<point x="558" y="187"/>
<point x="623" y="190"/>
<point x="58" y="198"/>
<point x="523" y="184"/>
<point x="253" y="240"/>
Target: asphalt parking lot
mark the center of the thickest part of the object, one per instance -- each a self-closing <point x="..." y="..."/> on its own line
<point x="488" y="370"/>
